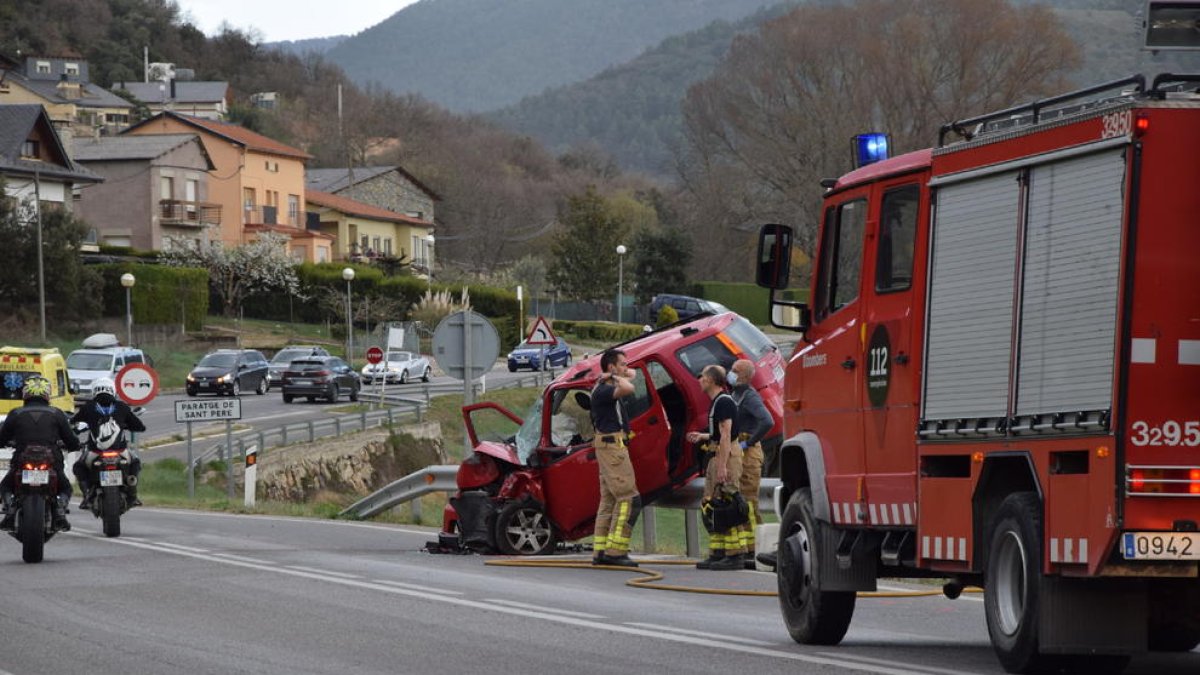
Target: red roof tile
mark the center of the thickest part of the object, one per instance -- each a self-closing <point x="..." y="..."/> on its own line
<point x="356" y="208"/>
<point x="240" y="135"/>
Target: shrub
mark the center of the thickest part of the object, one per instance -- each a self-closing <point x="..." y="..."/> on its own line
<point x="161" y="295"/>
<point x="667" y="316"/>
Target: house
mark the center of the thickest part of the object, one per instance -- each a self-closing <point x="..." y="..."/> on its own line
<point x="361" y="231"/>
<point x="156" y="187"/>
<point x="207" y="100"/>
<point x="60" y="84"/>
<point x="390" y="188"/>
<point x="34" y="163"/>
<point x="257" y="181"/>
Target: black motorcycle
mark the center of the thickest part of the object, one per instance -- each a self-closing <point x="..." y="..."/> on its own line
<point x="109" y="472"/>
<point x="35" y="489"/>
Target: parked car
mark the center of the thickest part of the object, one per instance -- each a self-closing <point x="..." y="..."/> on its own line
<point x="102" y="356"/>
<point x="532" y="481"/>
<point x="398" y="367"/>
<point x="529" y="356"/>
<point x="685" y="306"/>
<point x="326" y="377"/>
<point x="229" y="371"/>
<point x="284" y="356"/>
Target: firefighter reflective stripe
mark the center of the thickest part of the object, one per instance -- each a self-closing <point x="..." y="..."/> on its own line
<point x="619" y="532"/>
<point x="599" y="542"/>
<point x="944" y="548"/>
<point x="1068" y="550"/>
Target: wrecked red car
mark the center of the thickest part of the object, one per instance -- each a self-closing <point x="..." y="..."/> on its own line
<point x="532" y="481"/>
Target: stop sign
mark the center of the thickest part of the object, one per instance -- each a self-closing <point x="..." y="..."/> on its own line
<point x="374" y="355"/>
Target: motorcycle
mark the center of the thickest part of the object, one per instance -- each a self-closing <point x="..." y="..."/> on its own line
<point x="110" y="474"/>
<point x="35" y="489"/>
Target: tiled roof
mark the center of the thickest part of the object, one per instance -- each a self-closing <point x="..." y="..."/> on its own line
<point x="93" y="96"/>
<point x="356" y="208"/>
<point x="336" y="180"/>
<point x="234" y="133"/>
<point x="185" y="92"/>
<point x="16" y="122"/>
<point x="133" y="146"/>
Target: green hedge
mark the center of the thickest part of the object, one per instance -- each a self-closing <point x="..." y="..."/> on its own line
<point x="599" y="331"/>
<point x="161" y="295"/>
<point x="746" y="299"/>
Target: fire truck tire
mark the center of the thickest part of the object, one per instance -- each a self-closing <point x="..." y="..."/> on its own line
<point x="522" y="528"/>
<point x="813" y="617"/>
<point x="1012" y="580"/>
<point x="1174" y="615"/>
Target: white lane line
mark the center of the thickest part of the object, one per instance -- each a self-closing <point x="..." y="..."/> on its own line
<point x="883" y="662"/>
<point x="415" y="587"/>
<point x="285" y="519"/>
<point x="244" y="558"/>
<point x="340" y="575"/>
<point x="434" y="596"/>
<point x="700" y="633"/>
<point x="552" y="610"/>
<point x="181" y="547"/>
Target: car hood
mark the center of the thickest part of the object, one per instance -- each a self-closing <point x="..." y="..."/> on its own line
<point x="209" y="372"/>
<point x="498" y="450"/>
<point x="530" y="351"/>
<point x="76" y="374"/>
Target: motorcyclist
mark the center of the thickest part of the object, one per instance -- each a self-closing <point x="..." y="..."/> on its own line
<point x="37" y="423"/>
<point x="108" y="419"/>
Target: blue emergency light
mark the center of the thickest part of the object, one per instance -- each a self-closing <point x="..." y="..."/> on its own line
<point x="870" y="148"/>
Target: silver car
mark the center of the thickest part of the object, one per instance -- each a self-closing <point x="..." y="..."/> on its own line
<point x="283" y="357"/>
<point x="398" y="367"/>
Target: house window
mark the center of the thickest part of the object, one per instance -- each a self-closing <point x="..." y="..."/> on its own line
<point x="72" y="68"/>
<point x="366" y="243"/>
<point x="43" y="67"/>
<point x="294" y="210"/>
<point x="115" y="118"/>
<point x="387" y="247"/>
<point x="191" y="190"/>
<point x="322" y="254"/>
<point x="298" y="253"/>
<point x="29" y="149"/>
<point x="376" y="247"/>
<point x="167" y="187"/>
<point x="249" y="200"/>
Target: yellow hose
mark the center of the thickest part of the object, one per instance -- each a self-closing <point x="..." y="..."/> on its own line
<point x="647" y="578"/>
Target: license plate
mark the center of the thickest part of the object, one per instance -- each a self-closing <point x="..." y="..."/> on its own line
<point x="35" y="476"/>
<point x="110" y="479"/>
<point x="301" y="382"/>
<point x="1161" y="545"/>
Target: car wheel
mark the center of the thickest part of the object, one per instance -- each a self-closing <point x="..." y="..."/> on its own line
<point x="512" y="369"/>
<point x="354" y="393"/>
<point x="334" y="392"/>
<point x="567" y="362"/>
<point x="310" y="399"/>
<point x="522" y="528"/>
<point x="812" y="616"/>
<point x="287" y="398"/>
<point x="404" y="377"/>
<point x="263" y="386"/>
<point x="191" y="392"/>
<point x="236" y="389"/>
<point x="425" y="377"/>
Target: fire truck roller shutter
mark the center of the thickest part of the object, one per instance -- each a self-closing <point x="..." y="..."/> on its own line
<point x="970" y="327"/>
<point x="1069" y="296"/>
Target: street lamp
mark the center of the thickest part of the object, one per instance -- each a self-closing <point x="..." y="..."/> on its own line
<point x="620" y="277"/>
<point x="429" y="261"/>
<point x="348" y="275"/>
<point x="127" y="280"/>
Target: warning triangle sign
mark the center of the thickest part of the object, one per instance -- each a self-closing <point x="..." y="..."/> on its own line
<point x="540" y="333"/>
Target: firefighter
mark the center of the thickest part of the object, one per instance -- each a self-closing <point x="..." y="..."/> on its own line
<point x="619" y="500"/>
<point x="724" y="469"/>
<point x="754" y="423"/>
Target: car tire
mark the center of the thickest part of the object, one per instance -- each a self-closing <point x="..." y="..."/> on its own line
<point x="404" y="376"/>
<point x="264" y="385"/>
<point x="425" y="377"/>
<point x="567" y="363"/>
<point x="287" y="398"/>
<point x="191" y="392"/>
<point x="310" y="399"/>
<point x="522" y="528"/>
<point x="334" y="392"/>
<point x="512" y="369"/>
<point x="813" y="617"/>
<point x="236" y="389"/>
<point x="354" y="393"/>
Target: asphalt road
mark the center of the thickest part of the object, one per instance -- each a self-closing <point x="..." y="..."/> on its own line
<point x="216" y="593"/>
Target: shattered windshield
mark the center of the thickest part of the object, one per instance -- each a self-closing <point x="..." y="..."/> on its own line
<point x="530" y="433"/>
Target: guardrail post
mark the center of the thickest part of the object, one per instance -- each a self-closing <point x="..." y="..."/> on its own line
<point x="391" y="417"/>
<point x="428" y="397"/>
<point x="691" y="531"/>
<point x="283" y="435"/>
<point x="416" y="510"/>
<point x="649" y="530"/>
<point x="363" y="416"/>
<point x="337" y="425"/>
<point x="262" y="442"/>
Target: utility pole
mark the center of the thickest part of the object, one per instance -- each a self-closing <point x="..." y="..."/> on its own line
<point x="37" y="207"/>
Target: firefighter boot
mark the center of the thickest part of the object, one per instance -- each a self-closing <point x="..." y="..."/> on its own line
<point x="729" y="562"/>
<point x="131" y="493"/>
<point x="59" y="521"/>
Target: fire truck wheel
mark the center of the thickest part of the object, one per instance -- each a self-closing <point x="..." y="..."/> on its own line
<point x="1174" y="615"/>
<point x="813" y="617"/>
<point x="522" y="528"/>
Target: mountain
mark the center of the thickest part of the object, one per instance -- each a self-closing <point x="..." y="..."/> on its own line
<point x="473" y="55"/>
<point x="632" y="110"/>
<point x="310" y="45"/>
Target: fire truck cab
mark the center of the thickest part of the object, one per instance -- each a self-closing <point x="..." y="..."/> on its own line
<point x="999" y="381"/>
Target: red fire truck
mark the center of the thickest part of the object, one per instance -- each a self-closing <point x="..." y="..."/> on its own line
<point x="999" y="381"/>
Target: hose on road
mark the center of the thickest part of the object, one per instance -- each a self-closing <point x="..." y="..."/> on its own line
<point x="649" y="578"/>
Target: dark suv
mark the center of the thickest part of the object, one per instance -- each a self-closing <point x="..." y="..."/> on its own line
<point x="685" y="306"/>
<point x="283" y="357"/>
<point x="229" y="371"/>
<point x="326" y="377"/>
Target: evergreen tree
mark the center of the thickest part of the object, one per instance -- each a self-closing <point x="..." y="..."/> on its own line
<point x="584" y="261"/>
<point x="660" y="262"/>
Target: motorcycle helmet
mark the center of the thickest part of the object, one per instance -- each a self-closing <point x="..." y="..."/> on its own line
<point x="104" y="391"/>
<point x="108" y="433"/>
<point x="36" y="387"/>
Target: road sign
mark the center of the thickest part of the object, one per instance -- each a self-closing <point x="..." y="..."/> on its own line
<point x="208" y="411"/>
<point x="374" y="355"/>
<point x="137" y="384"/>
<point x="541" y="334"/>
<point x="466" y="359"/>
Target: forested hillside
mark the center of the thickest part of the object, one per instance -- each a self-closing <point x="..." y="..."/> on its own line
<point x="473" y="55"/>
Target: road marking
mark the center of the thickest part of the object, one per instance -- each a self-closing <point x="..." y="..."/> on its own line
<point x="244" y="558"/>
<point x="685" y="631"/>
<point x="539" y="608"/>
<point x="181" y="548"/>
<point x="415" y="587"/>
<point x="432" y="595"/>
<point x="331" y="573"/>
<point x="285" y="519"/>
<point x="883" y="662"/>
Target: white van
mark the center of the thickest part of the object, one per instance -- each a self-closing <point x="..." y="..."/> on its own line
<point x="101" y="356"/>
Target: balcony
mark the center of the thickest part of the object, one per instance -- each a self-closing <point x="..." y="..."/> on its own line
<point x="184" y="213"/>
<point x="269" y="215"/>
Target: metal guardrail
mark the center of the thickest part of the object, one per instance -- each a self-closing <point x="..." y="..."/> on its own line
<point x="441" y="478"/>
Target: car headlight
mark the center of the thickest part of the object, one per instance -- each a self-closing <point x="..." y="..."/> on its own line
<point x="225" y="378"/>
<point x="191" y="377"/>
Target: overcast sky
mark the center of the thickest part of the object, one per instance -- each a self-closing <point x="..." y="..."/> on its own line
<point x="291" y="19"/>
